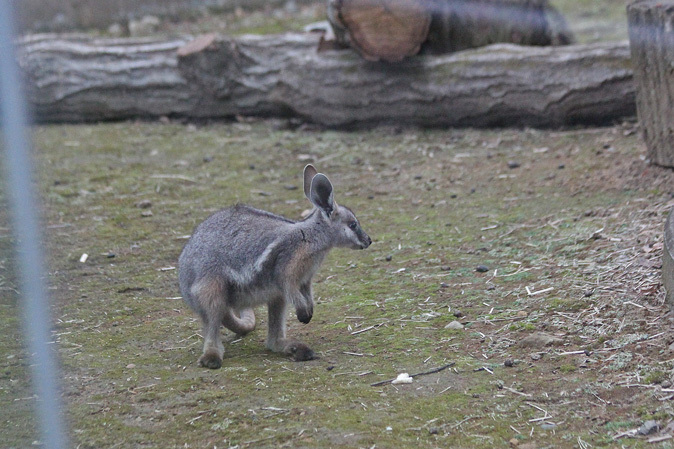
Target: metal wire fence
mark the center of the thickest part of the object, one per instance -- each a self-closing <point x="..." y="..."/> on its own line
<point x="30" y="266"/>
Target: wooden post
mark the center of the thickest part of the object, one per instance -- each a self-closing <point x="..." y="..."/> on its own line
<point x="651" y="30"/>
<point x="668" y="260"/>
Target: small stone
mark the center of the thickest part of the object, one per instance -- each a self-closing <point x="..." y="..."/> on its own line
<point x="446" y="268"/>
<point x="588" y="293"/>
<point x="454" y="325"/>
<point x="207" y="159"/>
<point x="561" y="167"/>
<point x="648" y="428"/>
<point x="389" y="258"/>
<point x="290" y="187"/>
<point x="514" y="442"/>
<point x="540" y="340"/>
<point x="444" y="285"/>
<point x="666" y="384"/>
<point x="513" y="164"/>
<point x="433" y="431"/>
<point x="509" y="363"/>
<point x="522" y="313"/>
<point x="146" y="213"/>
<point x="482" y="268"/>
<point x="110" y="255"/>
<point x="131" y="366"/>
<point x="144" y="204"/>
<point x="548" y="426"/>
<point x="458" y="313"/>
<point x="418" y="177"/>
<point x="536" y="356"/>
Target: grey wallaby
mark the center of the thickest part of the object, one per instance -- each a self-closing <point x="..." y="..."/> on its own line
<point x="242" y="257"/>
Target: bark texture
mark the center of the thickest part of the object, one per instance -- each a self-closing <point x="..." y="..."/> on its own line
<point x="462" y="24"/>
<point x="651" y="29"/>
<point x="77" y="79"/>
<point x="668" y="260"/>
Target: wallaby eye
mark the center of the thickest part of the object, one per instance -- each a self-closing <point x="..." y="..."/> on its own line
<point x="353" y="225"/>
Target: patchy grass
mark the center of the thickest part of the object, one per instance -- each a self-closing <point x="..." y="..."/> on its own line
<point x="571" y="238"/>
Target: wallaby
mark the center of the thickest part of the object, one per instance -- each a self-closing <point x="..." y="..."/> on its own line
<point x="242" y="257"/>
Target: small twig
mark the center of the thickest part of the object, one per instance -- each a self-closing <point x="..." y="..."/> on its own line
<point x="357" y="354"/>
<point x="573" y="352"/>
<point x="660" y="438"/>
<point x="538" y="292"/>
<point x="433" y="371"/>
<point x="362" y="330"/>
<point x="178" y="177"/>
<point x="512" y="390"/>
<point x="463" y="421"/>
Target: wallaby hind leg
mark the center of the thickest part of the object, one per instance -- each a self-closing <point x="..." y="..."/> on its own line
<point x="276" y="336"/>
<point x="209" y="295"/>
<point x="242" y="324"/>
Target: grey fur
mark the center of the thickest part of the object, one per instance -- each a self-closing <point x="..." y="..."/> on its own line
<point x="241" y="257"/>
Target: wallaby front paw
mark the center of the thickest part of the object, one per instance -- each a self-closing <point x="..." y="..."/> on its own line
<point x="301" y="352"/>
<point x="210" y="360"/>
<point x="304" y="315"/>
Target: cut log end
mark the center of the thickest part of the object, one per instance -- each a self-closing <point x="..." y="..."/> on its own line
<point x="199" y="44"/>
<point x="385" y="30"/>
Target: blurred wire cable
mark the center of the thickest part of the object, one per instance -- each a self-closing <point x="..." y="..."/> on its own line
<point x="23" y="206"/>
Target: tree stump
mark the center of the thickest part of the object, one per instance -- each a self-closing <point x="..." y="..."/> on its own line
<point x="651" y="30"/>
<point x="391" y="30"/>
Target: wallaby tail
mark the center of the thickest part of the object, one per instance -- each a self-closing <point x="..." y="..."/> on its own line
<point x="242" y="324"/>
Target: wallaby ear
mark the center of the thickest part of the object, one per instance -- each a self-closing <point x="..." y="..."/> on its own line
<point x="321" y="193"/>
<point x="309" y="173"/>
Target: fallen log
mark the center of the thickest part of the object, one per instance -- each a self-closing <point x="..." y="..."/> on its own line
<point x="390" y="30"/>
<point x="77" y="79"/>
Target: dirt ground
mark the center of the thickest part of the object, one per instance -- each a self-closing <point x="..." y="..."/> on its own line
<point x="565" y="340"/>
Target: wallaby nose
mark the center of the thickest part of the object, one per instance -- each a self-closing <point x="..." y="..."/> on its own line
<point x="368" y="242"/>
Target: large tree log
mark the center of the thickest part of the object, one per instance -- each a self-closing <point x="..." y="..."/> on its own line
<point x="79" y="79"/>
<point x="652" y="42"/>
<point x="391" y="30"/>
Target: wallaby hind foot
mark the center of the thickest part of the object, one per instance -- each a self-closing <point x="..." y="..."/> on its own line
<point x="210" y="359"/>
<point x="300" y="352"/>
